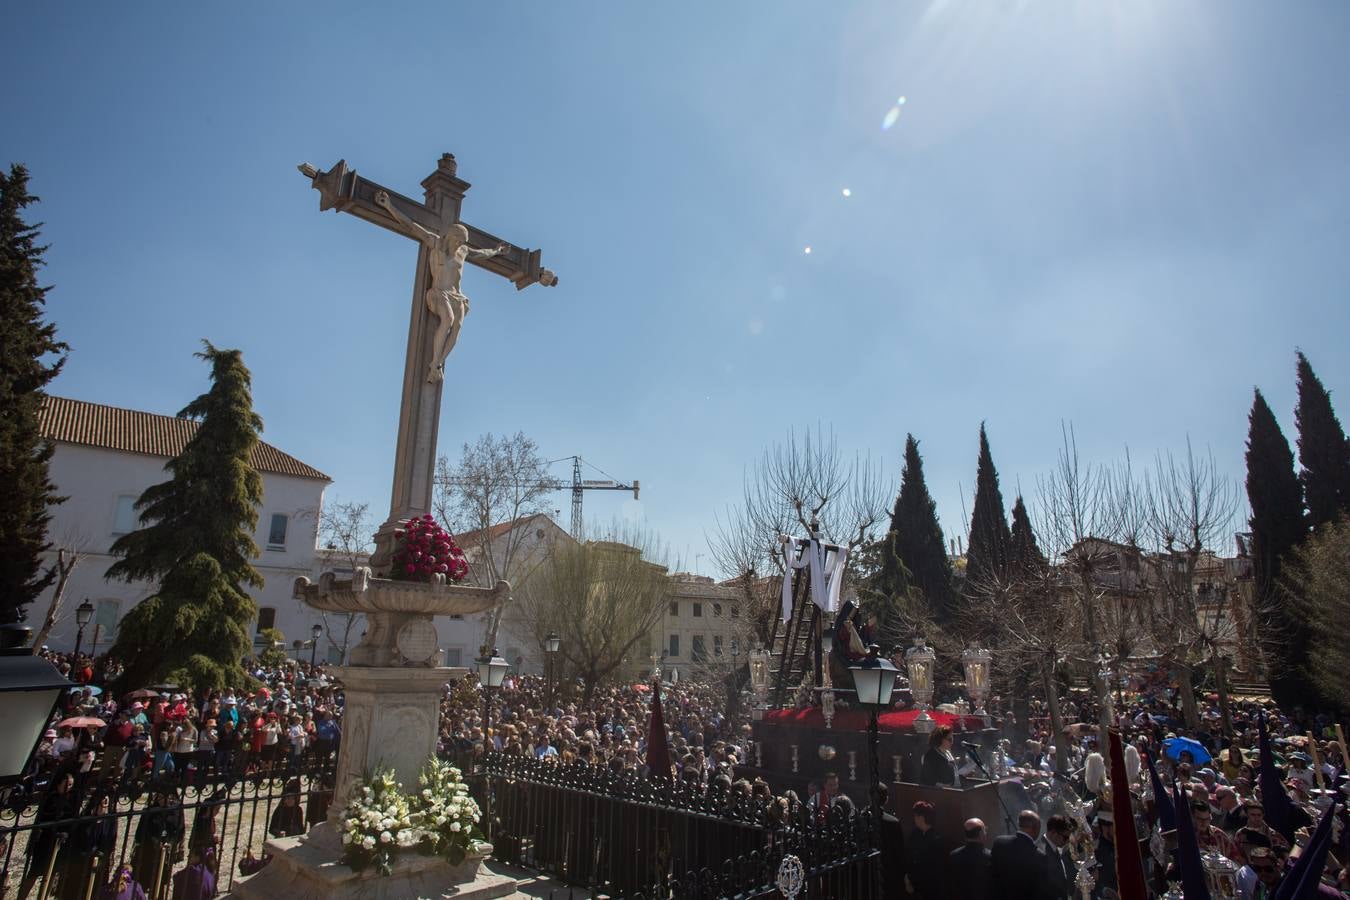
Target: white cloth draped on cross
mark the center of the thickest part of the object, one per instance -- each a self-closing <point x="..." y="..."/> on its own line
<point x="825" y="569"/>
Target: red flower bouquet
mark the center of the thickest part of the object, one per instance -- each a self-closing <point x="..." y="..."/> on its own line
<point x="423" y="549"/>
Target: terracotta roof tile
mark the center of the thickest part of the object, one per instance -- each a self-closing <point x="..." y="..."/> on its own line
<point x="113" y="428"/>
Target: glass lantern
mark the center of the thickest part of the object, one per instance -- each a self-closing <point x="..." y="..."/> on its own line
<point x="921" y="662"/>
<point x="1220" y="875"/>
<point x="977" y="665"/>
<point x="759" y="674"/>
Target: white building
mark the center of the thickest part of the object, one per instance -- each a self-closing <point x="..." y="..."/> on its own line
<point x="105" y="457"/>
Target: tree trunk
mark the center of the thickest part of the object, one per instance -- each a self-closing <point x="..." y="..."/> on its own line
<point x="1056" y="717"/>
<point x="1189" y="710"/>
<point x="1221" y="681"/>
<point x="63" y="570"/>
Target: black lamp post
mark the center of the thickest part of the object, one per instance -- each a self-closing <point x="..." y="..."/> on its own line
<point x="491" y="672"/>
<point x="874" y="681"/>
<point x="551" y="645"/>
<point x="84" y="613"/>
<point x="30" y="688"/>
<point x="315" y="631"/>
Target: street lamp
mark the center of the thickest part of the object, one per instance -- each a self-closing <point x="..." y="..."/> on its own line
<point x="552" y="644"/>
<point x="314" y="631"/>
<point x="491" y="673"/>
<point x="296" y="645"/>
<point x="874" y="682"/>
<point x="84" y="613"/>
<point x="30" y="688"/>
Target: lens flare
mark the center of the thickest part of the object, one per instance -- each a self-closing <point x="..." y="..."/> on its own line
<point x="846" y="192"/>
<point x="892" y="114"/>
<point x="807" y="251"/>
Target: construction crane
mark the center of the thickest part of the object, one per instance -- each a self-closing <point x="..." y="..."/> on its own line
<point x="580" y="485"/>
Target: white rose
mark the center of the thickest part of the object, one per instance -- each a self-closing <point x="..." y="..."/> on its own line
<point x="455" y="826"/>
<point x="386" y="837"/>
<point x="368" y="842"/>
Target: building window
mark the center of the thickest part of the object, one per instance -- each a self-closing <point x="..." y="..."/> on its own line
<point x="735" y="646"/>
<point x="276" y="533"/>
<point x="674" y="607"/>
<point x="717" y="645"/>
<point x="717" y="610"/>
<point x="698" y="652"/>
<point x="124" y="517"/>
<point x="698" y="610"/>
<point x="735" y="611"/>
<point x="267" y="617"/>
<point x="106" y="617"/>
<point x="453" y="655"/>
<point x="674" y="645"/>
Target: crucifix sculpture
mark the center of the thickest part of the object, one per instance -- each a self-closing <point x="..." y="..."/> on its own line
<point x="445" y="244"/>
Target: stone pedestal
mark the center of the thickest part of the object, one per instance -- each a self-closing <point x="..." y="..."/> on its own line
<point x="390" y="720"/>
<point x="303" y="870"/>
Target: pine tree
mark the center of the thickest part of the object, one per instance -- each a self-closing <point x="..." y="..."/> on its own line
<point x="27" y="348"/>
<point x="1323" y="452"/>
<point x="196" y="542"/>
<point x="990" y="539"/>
<point x="1024" y="555"/>
<point x="914" y="559"/>
<point x="1278" y="526"/>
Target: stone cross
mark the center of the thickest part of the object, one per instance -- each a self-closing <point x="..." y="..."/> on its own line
<point x="438" y="308"/>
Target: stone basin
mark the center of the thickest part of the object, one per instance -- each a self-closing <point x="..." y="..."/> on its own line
<point x="399" y="626"/>
<point x="364" y="593"/>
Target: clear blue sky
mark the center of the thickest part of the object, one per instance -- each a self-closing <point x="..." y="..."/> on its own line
<point x="1121" y="214"/>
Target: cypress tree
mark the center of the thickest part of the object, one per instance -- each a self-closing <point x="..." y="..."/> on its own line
<point x="196" y="541"/>
<point x="1277" y="526"/>
<point x="1024" y="554"/>
<point x="1322" y="450"/>
<point x="915" y="557"/>
<point x="27" y="348"/>
<point x="990" y="539"/>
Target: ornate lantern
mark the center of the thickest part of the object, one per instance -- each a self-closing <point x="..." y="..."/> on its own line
<point x="921" y="662"/>
<point x="977" y="665"/>
<point x="759" y="674"/>
<point x="1220" y="874"/>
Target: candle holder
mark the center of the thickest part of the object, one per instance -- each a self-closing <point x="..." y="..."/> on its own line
<point x="853" y="765"/>
<point x="759" y="755"/>
<point x="827" y="705"/>
<point x="794" y="758"/>
<point x="895" y="766"/>
<point x="921" y="661"/>
<point x="759" y="674"/>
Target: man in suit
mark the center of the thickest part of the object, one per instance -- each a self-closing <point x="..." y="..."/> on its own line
<point x="1060" y="868"/>
<point x="968" y="865"/>
<point x="1017" y="867"/>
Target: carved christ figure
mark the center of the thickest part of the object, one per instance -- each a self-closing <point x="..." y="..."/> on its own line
<point x="446" y="254"/>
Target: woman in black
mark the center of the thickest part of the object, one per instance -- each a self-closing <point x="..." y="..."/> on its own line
<point x="289" y="819"/>
<point x="59" y="804"/>
<point x="938" y="767"/>
<point x="93" y="844"/>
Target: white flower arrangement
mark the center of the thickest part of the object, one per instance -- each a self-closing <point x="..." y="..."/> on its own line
<point x="446" y="813"/>
<point x="378" y="823"/>
<point x="381" y="820"/>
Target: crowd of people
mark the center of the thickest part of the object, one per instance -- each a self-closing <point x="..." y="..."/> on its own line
<point x="149" y="743"/>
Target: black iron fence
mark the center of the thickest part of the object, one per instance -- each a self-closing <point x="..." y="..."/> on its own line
<point x="626" y="836"/>
<point x="174" y="837"/>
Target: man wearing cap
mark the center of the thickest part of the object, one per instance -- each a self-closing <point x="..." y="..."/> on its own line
<point x="1258" y="879"/>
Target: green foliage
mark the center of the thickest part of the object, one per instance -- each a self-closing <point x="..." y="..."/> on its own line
<point x="918" y="540"/>
<point x="1322" y="450"/>
<point x="990" y="538"/>
<point x="1024" y="555"/>
<point x="1277" y="526"/>
<point x="27" y="348"/>
<point x="196" y="540"/>
<point x="1314" y="582"/>
<point x="272" y="655"/>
